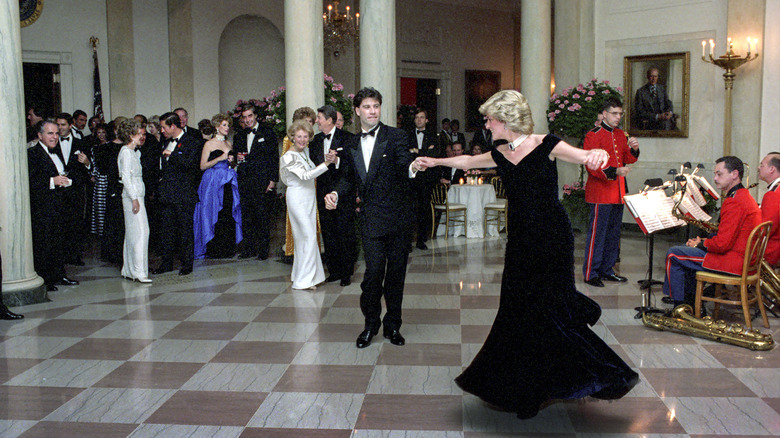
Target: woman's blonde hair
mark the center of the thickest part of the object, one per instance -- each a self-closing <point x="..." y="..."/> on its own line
<point x="126" y="129"/>
<point x="510" y="107"/>
<point x="299" y="125"/>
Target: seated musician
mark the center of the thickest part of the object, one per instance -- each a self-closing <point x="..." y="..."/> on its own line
<point x="769" y="172"/>
<point x="723" y="251"/>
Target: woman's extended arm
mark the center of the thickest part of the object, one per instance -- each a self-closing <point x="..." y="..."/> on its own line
<point x="460" y="162"/>
<point x="592" y="158"/>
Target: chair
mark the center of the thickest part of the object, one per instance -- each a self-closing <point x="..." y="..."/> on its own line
<point x="455" y="213"/>
<point x="751" y="276"/>
<point x="496" y="211"/>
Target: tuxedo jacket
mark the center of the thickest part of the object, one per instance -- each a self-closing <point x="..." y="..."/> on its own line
<point x="483" y="137"/>
<point x="47" y="204"/>
<point x="446" y="173"/>
<point x="430" y="148"/>
<point x="770" y="211"/>
<point x="180" y="173"/>
<point x="261" y="165"/>
<point x="384" y="189"/>
<point x="77" y="172"/>
<point x="459" y="138"/>
<point x="151" y="153"/>
<point x="326" y="182"/>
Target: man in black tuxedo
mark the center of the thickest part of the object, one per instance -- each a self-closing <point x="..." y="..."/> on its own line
<point x="338" y="226"/>
<point x="424" y="143"/>
<point x="484" y="138"/>
<point x="451" y="175"/>
<point x="455" y="135"/>
<point x="184" y="117"/>
<point x="79" y="123"/>
<point x="257" y="155"/>
<point x="50" y="205"/>
<point x="74" y="150"/>
<point x="177" y="193"/>
<point x="379" y="166"/>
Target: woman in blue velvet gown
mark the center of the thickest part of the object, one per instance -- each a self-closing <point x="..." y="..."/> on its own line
<point x="540" y="348"/>
<point x="217" y="221"/>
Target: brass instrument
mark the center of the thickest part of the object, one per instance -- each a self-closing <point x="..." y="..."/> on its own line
<point x="706" y="226"/>
<point x="682" y="321"/>
<point x="770" y="286"/>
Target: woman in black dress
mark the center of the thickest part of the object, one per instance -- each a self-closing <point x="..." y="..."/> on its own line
<point x="540" y="347"/>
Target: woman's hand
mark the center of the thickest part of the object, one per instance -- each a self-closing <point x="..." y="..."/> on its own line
<point x="596" y="159"/>
<point x="425" y="162"/>
<point x="330" y="157"/>
<point x="136" y="206"/>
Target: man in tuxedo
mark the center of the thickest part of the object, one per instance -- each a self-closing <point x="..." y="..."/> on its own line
<point x="339" y="120"/>
<point x="653" y="108"/>
<point x="50" y="205"/>
<point x="451" y="175"/>
<point x="184" y="118"/>
<point x="455" y="135"/>
<point x="424" y="143"/>
<point x="35" y="113"/>
<point x="257" y="155"/>
<point x="177" y="193"/>
<point x="77" y="166"/>
<point x="484" y="138"/>
<point x="338" y="226"/>
<point x="79" y="123"/>
<point x="379" y="166"/>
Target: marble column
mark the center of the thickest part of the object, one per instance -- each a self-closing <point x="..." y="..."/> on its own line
<point x="303" y="55"/>
<point x="21" y="285"/>
<point x="535" y="55"/>
<point x="377" y="53"/>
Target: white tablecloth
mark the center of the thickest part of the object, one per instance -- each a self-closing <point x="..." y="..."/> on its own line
<point x="474" y="197"/>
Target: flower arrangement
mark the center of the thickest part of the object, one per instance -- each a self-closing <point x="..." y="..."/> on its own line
<point x="573" y="112"/>
<point x="574" y="202"/>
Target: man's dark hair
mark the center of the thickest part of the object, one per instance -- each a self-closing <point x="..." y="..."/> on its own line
<point x="38" y="109"/>
<point x="328" y="112"/>
<point x="66" y="116"/>
<point x="364" y="93"/>
<point x="144" y="120"/>
<point x="170" y="119"/>
<point x="455" y="122"/>
<point x="612" y="102"/>
<point x="445" y="120"/>
<point x="732" y="163"/>
<point x="461" y="145"/>
<point x="79" y="112"/>
<point x="181" y="109"/>
<point x="774" y="160"/>
<point x="421" y="110"/>
<point x="248" y="106"/>
<point x="96" y="118"/>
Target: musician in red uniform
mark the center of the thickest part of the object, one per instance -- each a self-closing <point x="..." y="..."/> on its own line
<point x="769" y="172"/>
<point x="604" y="193"/>
<point x="723" y="251"/>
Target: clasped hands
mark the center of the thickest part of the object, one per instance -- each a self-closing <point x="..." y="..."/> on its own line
<point x="331" y="156"/>
<point x="596" y="159"/>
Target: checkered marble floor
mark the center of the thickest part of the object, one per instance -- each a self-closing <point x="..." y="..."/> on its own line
<point x="231" y="350"/>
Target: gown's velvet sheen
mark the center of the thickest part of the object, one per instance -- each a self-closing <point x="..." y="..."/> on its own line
<point x="207" y="212"/>
<point x="540" y="346"/>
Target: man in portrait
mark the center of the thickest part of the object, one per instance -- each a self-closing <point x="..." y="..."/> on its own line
<point x="652" y="105"/>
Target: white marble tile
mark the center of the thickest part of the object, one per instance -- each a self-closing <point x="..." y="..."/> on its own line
<point x="99" y="311"/>
<point x="305" y="299"/>
<point x="724" y="415"/>
<point x="477" y="316"/>
<point x="14" y="428"/>
<point x="185" y="431"/>
<point x="66" y="372"/>
<point x="468" y="352"/>
<point x="479" y="417"/>
<point x="15" y="328"/>
<point x="431" y="333"/>
<point x="184" y="299"/>
<point x="603" y="332"/>
<point x="368" y="433"/>
<point x="35" y="347"/>
<point x="337" y="353"/>
<point x="670" y="356"/>
<point x="431" y="302"/>
<point x="225" y="314"/>
<point x="765" y="382"/>
<point x="135" y="329"/>
<point x="308" y="410"/>
<point x="276" y="331"/>
<point x="259" y="288"/>
<point x="246" y="377"/>
<point x="633" y="435"/>
<point x="343" y="315"/>
<point x="619" y="317"/>
<point x="427" y="380"/>
<point x="179" y="350"/>
<point x="643" y="388"/>
<point x="112" y="405"/>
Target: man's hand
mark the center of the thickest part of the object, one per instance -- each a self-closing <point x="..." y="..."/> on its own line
<point x="446" y="182"/>
<point x="331" y="156"/>
<point x="82" y="157"/>
<point x="61" y="180"/>
<point x="693" y="243"/>
<point x="331" y="199"/>
<point x="271" y="186"/>
<point x="417" y="166"/>
<point x="167" y="153"/>
<point x="633" y="143"/>
<point x="623" y="171"/>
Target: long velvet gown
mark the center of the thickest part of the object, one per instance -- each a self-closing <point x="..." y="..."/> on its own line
<point x="540" y="347"/>
<point x="217" y="220"/>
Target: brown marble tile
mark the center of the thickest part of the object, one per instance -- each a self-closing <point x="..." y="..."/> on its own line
<point x="32" y="402"/>
<point x="729" y="436"/>
<point x="258" y="352"/>
<point x="696" y="382"/>
<point x="208" y="408"/>
<point x="163" y="313"/>
<point x="217" y="331"/>
<point x="623" y="355"/>
<point x="336" y="333"/>
<point x="49" y="313"/>
<point x="431" y="316"/>
<point x="620" y="416"/>
<point x="479" y="301"/>
<point x="517" y="434"/>
<point x="291" y="314"/>
<point x="325" y="378"/>
<point x="732" y="356"/>
<point x="104" y="349"/>
<point x="254" y="432"/>
<point x="411" y="412"/>
<point x="274" y="279"/>
<point x="10" y="367"/>
<point x="474" y="334"/>
<point x="431" y="269"/>
<point x="351" y="301"/>
<point x="56" y="429"/>
<point x="420" y="354"/>
<point x="774" y="403"/>
<point x="431" y="289"/>
<point x="70" y="328"/>
<point x="151" y="375"/>
<point x="214" y="289"/>
<point x="639" y="334"/>
<point x="144" y="299"/>
<point x="617" y="301"/>
<point x="259" y="300"/>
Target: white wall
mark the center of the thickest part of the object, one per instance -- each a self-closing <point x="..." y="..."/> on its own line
<point x="152" y="63"/>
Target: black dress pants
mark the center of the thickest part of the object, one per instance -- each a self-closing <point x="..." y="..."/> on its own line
<point x="176" y="221"/>
<point x="386" y="258"/>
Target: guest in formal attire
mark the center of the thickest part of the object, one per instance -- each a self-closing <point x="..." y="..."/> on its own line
<point x="339" y="120"/>
<point x="35" y="114"/>
<point x="50" y="205"/>
<point x="4" y="312"/>
<point x="452" y="175"/>
<point x="218" y="213"/>
<point x="298" y="172"/>
<point x="307" y="114"/>
<point x="484" y="138"/>
<point x="106" y="160"/>
<point x="91" y="139"/>
<point x="455" y="135"/>
<point x="151" y="154"/>
<point x="653" y="107"/>
<point x="444" y="135"/>
<point x="79" y="123"/>
<point x="136" y="245"/>
<point x="177" y="193"/>
<point x="99" y="181"/>
<point x="487" y="172"/>
<point x="184" y="119"/>
<point x="257" y="158"/>
<point x="769" y="172"/>
<point x="379" y="166"/>
<point x="424" y="143"/>
<point x="207" y="130"/>
<point x="338" y="226"/>
<point x="540" y="348"/>
<point x="78" y="164"/>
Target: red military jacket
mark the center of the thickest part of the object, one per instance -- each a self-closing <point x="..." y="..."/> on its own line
<point x="739" y="215"/>
<point x="604" y="186"/>
<point x="770" y="211"/>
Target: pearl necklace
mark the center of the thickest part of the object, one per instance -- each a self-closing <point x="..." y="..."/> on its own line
<point x="220" y="137"/>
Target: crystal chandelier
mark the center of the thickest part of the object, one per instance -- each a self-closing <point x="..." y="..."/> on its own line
<point x="339" y="29"/>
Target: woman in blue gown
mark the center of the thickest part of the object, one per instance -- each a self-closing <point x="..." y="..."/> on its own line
<point x="540" y="348"/>
<point x="217" y="221"/>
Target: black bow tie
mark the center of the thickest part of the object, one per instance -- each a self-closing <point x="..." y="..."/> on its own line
<point x="253" y="131"/>
<point x="371" y="133"/>
<point x="65" y="138"/>
<point x="327" y="137"/>
<point x="420" y="132"/>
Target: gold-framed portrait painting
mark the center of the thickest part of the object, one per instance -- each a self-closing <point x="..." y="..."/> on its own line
<point x="657" y="94"/>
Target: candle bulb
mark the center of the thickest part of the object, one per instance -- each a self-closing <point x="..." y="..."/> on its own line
<point x="748" y="39"/>
<point x="712" y="47"/>
<point x="347" y="12"/>
<point x="703" y="45"/>
<point x="357" y="20"/>
<point x="729" y="41"/>
<point x="330" y="9"/>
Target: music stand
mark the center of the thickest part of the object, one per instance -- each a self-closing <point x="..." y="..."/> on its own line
<point x="648" y="283"/>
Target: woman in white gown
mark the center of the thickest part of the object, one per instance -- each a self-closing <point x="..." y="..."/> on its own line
<point x="136" y="246"/>
<point x="298" y="172"/>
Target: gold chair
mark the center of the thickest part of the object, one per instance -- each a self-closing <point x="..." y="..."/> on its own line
<point x="751" y="276"/>
<point x="497" y="210"/>
<point x="455" y="213"/>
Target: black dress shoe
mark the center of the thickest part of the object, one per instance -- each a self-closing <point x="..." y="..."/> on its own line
<point x="395" y="337"/>
<point x="185" y="271"/>
<point x="364" y="338"/>
<point x="65" y="281"/>
<point x="8" y="315"/>
<point x="595" y="282"/>
<point x="667" y="300"/>
<point x="162" y="270"/>
<point x="51" y="288"/>
<point x="262" y="257"/>
<point x="421" y="245"/>
<point x="246" y="255"/>
<point x="345" y="282"/>
<point x="333" y="277"/>
<point x="614" y="277"/>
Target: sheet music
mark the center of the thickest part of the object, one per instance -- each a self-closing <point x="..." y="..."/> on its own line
<point x="689" y="207"/>
<point x="693" y="189"/>
<point x="703" y="183"/>
<point x="652" y="210"/>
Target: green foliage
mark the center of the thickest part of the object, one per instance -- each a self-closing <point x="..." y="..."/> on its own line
<point x="573" y="112"/>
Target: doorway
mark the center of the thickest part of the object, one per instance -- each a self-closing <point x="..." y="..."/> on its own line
<point x="421" y="93"/>
<point x="42" y="88"/>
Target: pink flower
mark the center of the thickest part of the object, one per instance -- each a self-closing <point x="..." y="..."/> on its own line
<point x="591" y="93"/>
<point x="605" y="92"/>
<point x="557" y="111"/>
<point x="576" y="96"/>
<point x="282" y="88"/>
<point x="333" y="99"/>
<point x="588" y="99"/>
<point x="561" y="106"/>
<point x="279" y="104"/>
<point x="262" y="104"/>
<point x="619" y="89"/>
<point x="351" y="96"/>
<point x="571" y="108"/>
<point x="273" y="93"/>
<point x="606" y="82"/>
<point x="557" y="101"/>
<point x="565" y="93"/>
